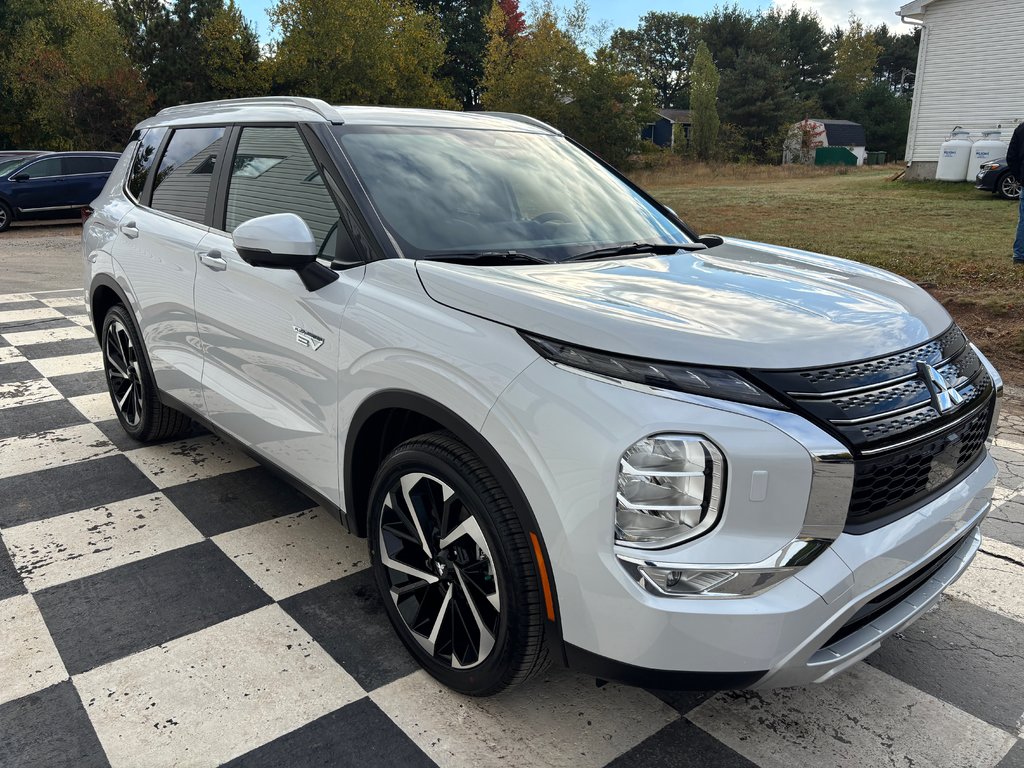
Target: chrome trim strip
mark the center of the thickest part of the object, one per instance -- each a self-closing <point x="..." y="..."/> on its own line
<point x="997" y="384"/>
<point x="919" y="406"/>
<point x="50" y="208"/>
<point x="925" y="436"/>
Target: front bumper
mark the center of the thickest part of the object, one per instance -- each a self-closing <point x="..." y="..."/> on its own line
<point x="611" y="626"/>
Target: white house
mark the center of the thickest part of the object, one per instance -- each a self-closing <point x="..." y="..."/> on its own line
<point x="970" y="73"/>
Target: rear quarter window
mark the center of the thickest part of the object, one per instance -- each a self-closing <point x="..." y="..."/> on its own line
<point x="142" y="163"/>
<point x="183" y="178"/>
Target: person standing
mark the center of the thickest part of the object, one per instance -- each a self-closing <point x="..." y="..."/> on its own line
<point x="1015" y="161"/>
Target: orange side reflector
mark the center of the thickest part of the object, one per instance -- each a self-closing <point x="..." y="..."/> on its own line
<point x="544" y="583"/>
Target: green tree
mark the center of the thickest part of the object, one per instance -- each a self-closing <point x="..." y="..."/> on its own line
<point x="755" y="98"/>
<point x="856" y="56"/>
<point x="462" y="23"/>
<point x="359" y="51"/>
<point x="802" y="49"/>
<point x="704" y="102"/>
<point x="897" y="59"/>
<point x="885" y="117"/>
<point x="660" y="52"/>
<point x="231" y="55"/>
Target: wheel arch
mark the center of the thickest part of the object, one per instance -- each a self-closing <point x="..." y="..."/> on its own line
<point x="390" y="417"/>
<point x="104" y="293"/>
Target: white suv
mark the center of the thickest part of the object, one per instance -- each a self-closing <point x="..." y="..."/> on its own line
<point x="568" y="426"/>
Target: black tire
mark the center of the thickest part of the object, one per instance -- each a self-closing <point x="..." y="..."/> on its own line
<point x="1008" y="187"/>
<point x="459" y="604"/>
<point x="6" y="217"/>
<point x="130" y="383"/>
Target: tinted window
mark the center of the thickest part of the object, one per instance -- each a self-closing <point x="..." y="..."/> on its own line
<point x="6" y="166"/>
<point x="185" y="172"/>
<point x="48" y="167"/>
<point x="273" y="172"/>
<point x="145" y="155"/>
<point x="75" y="165"/>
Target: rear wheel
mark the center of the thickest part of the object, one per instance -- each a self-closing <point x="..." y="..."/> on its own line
<point x="132" y="390"/>
<point x="1009" y="187"/>
<point x="454" y="567"/>
<point x="6" y="217"/>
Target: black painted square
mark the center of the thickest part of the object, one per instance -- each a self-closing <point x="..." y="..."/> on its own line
<point x="236" y="499"/>
<point x="59" y="348"/>
<point x="358" y="734"/>
<point x="17" y="326"/>
<point x="347" y="618"/>
<point x="681" y="744"/>
<point x="38" y="417"/>
<point x="74" y="309"/>
<point x="19" y="371"/>
<point x="12" y="306"/>
<point x="48" y="729"/>
<point x="100" y="618"/>
<point x="10" y="582"/>
<point x="75" y="384"/>
<point x="69" y="488"/>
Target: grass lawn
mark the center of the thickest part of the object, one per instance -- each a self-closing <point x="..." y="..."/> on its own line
<point x="951" y="238"/>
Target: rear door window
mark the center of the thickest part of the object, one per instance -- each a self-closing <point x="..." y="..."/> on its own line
<point x="142" y="163"/>
<point x="78" y="165"/>
<point x="183" y="178"/>
<point x="51" y="166"/>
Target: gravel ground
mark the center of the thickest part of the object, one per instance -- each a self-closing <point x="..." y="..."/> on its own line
<point x="40" y="257"/>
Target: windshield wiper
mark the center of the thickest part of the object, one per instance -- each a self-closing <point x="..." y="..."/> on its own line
<point x="628" y="249"/>
<point x="495" y="257"/>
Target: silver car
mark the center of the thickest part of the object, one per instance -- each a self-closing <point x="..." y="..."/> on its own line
<point x="569" y="427"/>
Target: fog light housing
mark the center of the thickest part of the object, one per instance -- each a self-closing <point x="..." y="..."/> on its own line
<point x="670" y="489"/>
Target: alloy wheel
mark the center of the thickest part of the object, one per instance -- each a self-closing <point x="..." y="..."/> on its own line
<point x="123" y="373"/>
<point x="1010" y="187"/>
<point x="3" y="217"/>
<point x="440" y="570"/>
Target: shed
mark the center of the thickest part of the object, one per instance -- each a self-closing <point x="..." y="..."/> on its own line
<point x="662" y="131"/>
<point x="811" y="134"/>
<point x="970" y="67"/>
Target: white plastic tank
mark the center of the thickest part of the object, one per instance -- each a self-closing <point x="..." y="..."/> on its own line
<point x="990" y="147"/>
<point x="955" y="156"/>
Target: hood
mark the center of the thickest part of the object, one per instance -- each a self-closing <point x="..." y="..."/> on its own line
<point x="741" y="304"/>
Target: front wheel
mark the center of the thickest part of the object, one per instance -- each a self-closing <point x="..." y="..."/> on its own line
<point x="6" y="217"/>
<point x="454" y="567"/>
<point x="1009" y="187"/>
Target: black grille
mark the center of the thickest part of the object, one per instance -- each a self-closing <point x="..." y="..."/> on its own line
<point x="905" y="449"/>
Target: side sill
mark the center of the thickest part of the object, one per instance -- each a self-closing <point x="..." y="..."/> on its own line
<point x="603" y="668"/>
<point x="319" y="498"/>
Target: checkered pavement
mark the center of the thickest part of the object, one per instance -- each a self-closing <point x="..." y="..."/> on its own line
<point x="177" y="604"/>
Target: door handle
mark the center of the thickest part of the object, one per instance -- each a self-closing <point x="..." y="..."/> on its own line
<point x="130" y="229"/>
<point x="213" y="260"/>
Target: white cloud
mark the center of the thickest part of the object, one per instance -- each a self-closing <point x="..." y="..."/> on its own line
<point x="871" y="12"/>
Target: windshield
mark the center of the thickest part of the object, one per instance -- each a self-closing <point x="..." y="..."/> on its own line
<point x="6" y="166"/>
<point x="466" y="190"/>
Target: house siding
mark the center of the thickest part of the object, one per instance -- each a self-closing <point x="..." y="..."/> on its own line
<point x="970" y="72"/>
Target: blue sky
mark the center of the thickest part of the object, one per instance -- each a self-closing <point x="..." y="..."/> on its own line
<point x="625" y="13"/>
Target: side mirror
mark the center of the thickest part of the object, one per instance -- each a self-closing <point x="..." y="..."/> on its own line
<point x="282" y="241"/>
<point x="277" y="241"/>
<point x="20" y="177"/>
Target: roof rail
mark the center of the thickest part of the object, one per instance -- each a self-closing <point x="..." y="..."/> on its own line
<point x="525" y="119"/>
<point x="319" y="106"/>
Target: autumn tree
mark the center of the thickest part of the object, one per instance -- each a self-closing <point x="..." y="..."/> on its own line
<point x="359" y="52"/>
<point x="856" y="56"/>
<point x="704" y="102"/>
<point x="231" y="55"/>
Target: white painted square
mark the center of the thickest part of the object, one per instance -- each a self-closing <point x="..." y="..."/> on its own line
<point x="52" y="448"/>
<point x="291" y="554"/>
<point x="65" y="364"/>
<point x="95" y="407"/>
<point x="10" y="298"/>
<point x="185" y="460"/>
<point x="24" y="315"/>
<point x="78" y="544"/>
<point x="29" y="661"/>
<point x="205" y="698"/>
<point x="64" y="301"/>
<point x="995" y="580"/>
<point x="862" y="718"/>
<point x="15" y="393"/>
<point x="10" y="355"/>
<point x="561" y="720"/>
<point x="82" y="320"/>
<point x="46" y="335"/>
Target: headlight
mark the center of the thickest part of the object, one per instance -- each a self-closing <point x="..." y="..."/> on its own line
<point x="990" y="166"/>
<point x="710" y="382"/>
<point x="670" y="489"/>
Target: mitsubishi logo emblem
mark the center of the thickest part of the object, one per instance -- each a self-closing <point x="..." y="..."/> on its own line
<point x="944" y="397"/>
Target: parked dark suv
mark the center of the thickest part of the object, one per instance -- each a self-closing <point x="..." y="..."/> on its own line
<point x="51" y="185"/>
